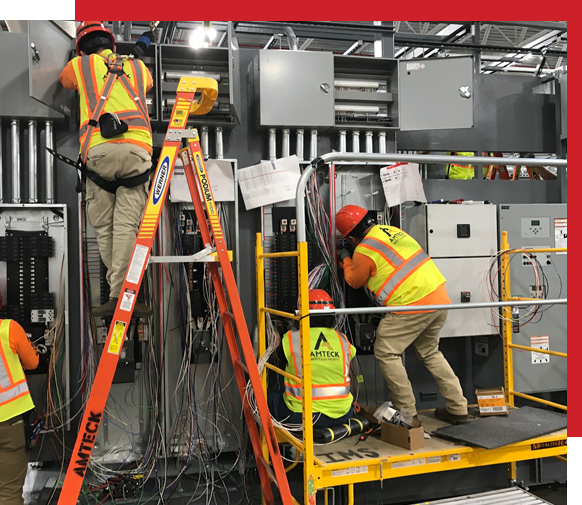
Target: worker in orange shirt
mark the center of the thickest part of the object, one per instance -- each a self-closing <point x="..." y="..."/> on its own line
<point x="124" y="157"/>
<point x="16" y="353"/>
<point x="398" y="272"/>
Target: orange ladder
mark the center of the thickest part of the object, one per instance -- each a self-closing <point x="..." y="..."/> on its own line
<point x="199" y="185"/>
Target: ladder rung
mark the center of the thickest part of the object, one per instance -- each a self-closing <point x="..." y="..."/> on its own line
<point x="242" y="365"/>
<point x="269" y="470"/>
<point x="229" y="314"/>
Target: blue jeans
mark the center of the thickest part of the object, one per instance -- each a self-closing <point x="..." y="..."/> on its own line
<point x="281" y="412"/>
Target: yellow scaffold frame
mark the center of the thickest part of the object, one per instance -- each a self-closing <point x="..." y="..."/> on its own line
<point x="319" y="476"/>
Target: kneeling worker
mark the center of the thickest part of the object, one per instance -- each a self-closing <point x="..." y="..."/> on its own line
<point x="15" y="400"/>
<point x="331" y="354"/>
<point x="398" y="272"/>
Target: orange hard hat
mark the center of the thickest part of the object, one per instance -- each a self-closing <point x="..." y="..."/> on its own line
<point x="348" y="218"/>
<point x="87" y="27"/>
<point x="319" y="300"/>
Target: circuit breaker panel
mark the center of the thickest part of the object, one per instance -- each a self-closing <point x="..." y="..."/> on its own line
<point x="538" y="276"/>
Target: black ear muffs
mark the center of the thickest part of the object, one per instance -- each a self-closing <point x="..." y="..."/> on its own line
<point x="111" y="126"/>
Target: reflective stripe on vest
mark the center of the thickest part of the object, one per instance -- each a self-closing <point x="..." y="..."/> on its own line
<point x="459" y="171"/>
<point x="404" y="272"/>
<point x="318" y="391"/>
<point x="95" y="101"/>
<point x="14" y="394"/>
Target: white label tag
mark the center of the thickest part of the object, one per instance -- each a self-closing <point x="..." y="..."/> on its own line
<point x="490" y="397"/>
<point x="127" y="300"/>
<point x="492" y="409"/>
<point x="434" y="460"/>
<point x="454" y="457"/>
<point x="561" y="233"/>
<point x="137" y="263"/>
<point x="349" y="471"/>
<point x="412" y="462"/>
<point x="413" y="66"/>
<point x="543" y="342"/>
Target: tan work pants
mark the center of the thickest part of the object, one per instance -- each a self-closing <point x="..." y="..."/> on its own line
<point x="396" y="332"/>
<point x="116" y="217"/>
<point x="13" y="463"/>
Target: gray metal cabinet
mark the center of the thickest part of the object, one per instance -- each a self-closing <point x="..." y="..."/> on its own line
<point x="435" y="94"/>
<point x="294" y="88"/>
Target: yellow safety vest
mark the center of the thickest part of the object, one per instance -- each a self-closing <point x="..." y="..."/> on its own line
<point x="15" y="397"/>
<point x="404" y="272"/>
<point x="331" y="354"/>
<point x="460" y="171"/>
<point x="91" y="72"/>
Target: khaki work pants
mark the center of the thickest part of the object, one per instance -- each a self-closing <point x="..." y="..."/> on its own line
<point x="13" y="463"/>
<point x="116" y="217"/>
<point x="396" y="332"/>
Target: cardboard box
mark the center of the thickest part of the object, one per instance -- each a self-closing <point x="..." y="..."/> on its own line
<point x="492" y="402"/>
<point x="410" y="439"/>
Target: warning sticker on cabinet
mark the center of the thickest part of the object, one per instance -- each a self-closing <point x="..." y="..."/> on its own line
<point x="561" y="233"/>
<point x="349" y="471"/>
<point x="542" y="342"/>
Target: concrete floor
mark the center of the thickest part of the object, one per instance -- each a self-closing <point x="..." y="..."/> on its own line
<point x="556" y="494"/>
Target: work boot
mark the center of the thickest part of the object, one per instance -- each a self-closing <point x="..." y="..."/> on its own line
<point x="444" y="415"/>
<point x="142" y="310"/>
<point x="107" y="309"/>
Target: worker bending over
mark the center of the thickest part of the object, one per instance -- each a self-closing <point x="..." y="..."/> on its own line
<point x="331" y="355"/>
<point x="17" y="353"/>
<point x="398" y="272"/>
<point x="115" y="216"/>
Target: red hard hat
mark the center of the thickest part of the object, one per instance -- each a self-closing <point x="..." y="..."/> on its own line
<point x="348" y="218"/>
<point x="319" y="300"/>
<point x="87" y="27"/>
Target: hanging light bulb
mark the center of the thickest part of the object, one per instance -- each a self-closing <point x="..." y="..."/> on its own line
<point x="197" y="38"/>
<point x="211" y="33"/>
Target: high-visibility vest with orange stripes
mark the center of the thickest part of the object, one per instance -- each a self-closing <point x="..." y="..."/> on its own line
<point x="331" y="354"/>
<point x="404" y="272"/>
<point x="15" y="397"/>
<point x="91" y="73"/>
<point x="461" y="170"/>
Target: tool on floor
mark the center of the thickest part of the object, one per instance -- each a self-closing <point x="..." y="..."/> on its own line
<point x="226" y="293"/>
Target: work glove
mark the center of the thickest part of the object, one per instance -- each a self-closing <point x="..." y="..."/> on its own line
<point x="142" y="44"/>
<point x="342" y="254"/>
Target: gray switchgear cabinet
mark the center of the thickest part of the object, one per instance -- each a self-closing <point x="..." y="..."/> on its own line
<point x="436" y="94"/>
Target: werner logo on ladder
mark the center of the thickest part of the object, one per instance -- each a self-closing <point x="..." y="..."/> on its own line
<point x="197" y="180"/>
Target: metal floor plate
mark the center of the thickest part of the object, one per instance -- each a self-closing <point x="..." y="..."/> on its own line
<point x="511" y="496"/>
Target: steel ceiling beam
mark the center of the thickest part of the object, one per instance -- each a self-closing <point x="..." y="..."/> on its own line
<point x="539" y="25"/>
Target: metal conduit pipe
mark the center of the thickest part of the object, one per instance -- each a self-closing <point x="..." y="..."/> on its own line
<point x="204" y="141"/>
<point x="355" y="141"/>
<point x="286" y="147"/>
<point x="369" y="142"/>
<point x="15" y="145"/>
<point x="452" y="306"/>
<point x="291" y="37"/>
<point x="299" y="148"/>
<point x="49" y="162"/>
<point x="382" y="142"/>
<point x="313" y="145"/>
<point x="272" y="144"/>
<point x="343" y="146"/>
<point x="410" y="158"/>
<point x="219" y="143"/>
<point x="32" y="163"/>
<point x="1" y="169"/>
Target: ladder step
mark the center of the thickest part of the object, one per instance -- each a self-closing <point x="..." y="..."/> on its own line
<point x="229" y="314"/>
<point x="269" y="470"/>
<point x="242" y="365"/>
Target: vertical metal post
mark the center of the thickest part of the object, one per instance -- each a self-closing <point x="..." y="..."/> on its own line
<point x="219" y="143"/>
<point x="300" y="149"/>
<point x="204" y="141"/>
<point x="355" y="141"/>
<point x="369" y="142"/>
<point x="382" y="142"/>
<point x="272" y="144"/>
<point x="285" y="143"/>
<point x="32" y="162"/>
<point x="342" y="141"/>
<point x="313" y="145"/>
<point x="1" y="168"/>
<point x="49" y="163"/>
<point x="476" y="32"/>
<point x="15" y="145"/>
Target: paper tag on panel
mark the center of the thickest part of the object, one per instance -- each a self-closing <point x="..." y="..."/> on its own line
<point x="269" y="182"/>
<point x="561" y="233"/>
<point x="402" y="183"/>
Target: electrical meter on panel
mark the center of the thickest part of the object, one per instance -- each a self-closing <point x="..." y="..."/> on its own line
<point x="538" y="275"/>
<point x="460" y="239"/>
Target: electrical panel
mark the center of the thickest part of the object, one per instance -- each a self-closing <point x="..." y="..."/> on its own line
<point x="460" y="239"/>
<point x="357" y="186"/>
<point x="548" y="329"/>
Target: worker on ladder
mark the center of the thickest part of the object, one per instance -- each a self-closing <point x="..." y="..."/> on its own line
<point x="116" y="148"/>
<point x="17" y="353"/>
<point x="331" y="355"/>
<point x="398" y="272"/>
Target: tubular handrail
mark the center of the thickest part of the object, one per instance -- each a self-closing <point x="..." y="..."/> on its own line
<point x="395" y="157"/>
